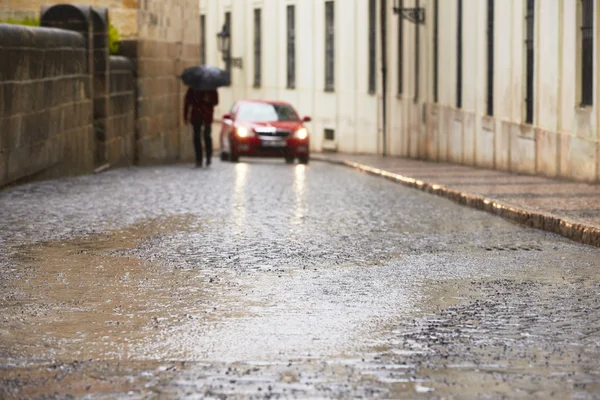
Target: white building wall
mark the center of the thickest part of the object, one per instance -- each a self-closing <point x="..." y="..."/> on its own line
<point x="349" y="109"/>
<point x="563" y="139"/>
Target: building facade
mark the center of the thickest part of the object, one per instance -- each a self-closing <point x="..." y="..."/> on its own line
<point x="505" y="84"/>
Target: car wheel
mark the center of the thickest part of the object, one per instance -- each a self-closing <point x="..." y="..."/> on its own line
<point x="303" y="159"/>
<point x="224" y="156"/>
<point x="289" y="160"/>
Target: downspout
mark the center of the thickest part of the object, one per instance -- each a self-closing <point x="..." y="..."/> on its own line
<point x="384" y="72"/>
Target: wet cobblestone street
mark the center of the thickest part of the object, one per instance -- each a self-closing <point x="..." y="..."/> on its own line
<point x="265" y="280"/>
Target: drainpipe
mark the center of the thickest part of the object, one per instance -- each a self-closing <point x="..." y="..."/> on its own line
<point x="384" y="72"/>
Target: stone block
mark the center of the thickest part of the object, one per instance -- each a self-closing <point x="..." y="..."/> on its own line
<point x="484" y="151"/>
<point x="546" y="150"/>
<point x="455" y="149"/>
<point x="469" y="138"/>
<point x="129" y="49"/>
<point x="81" y="88"/>
<point x="503" y="148"/>
<point x="36" y="64"/>
<point x="102" y="107"/>
<point x="125" y="19"/>
<point x="578" y="158"/>
<point x="11" y="132"/>
<point x="13" y="98"/>
<point x="27" y="160"/>
<point x="35" y="128"/>
<point x="522" y="149"/>
<point x="3" y="168"/>
<point x="101" y="84"/>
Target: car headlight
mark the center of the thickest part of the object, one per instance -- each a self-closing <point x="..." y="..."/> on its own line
<point x="242" y="132"/>
<point x="301" y="133"/>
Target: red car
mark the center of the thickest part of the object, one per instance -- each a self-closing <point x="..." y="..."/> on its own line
<point x="264" y="129"/>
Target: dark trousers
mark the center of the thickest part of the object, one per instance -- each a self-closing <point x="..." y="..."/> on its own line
<point x="198" y="125"/>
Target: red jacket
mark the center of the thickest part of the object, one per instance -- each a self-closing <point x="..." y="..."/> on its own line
<point x="202" y="104"/>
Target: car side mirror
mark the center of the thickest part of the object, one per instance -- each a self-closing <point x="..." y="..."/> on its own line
<point x="227" y="116"/>
<point x="306" y="119"/>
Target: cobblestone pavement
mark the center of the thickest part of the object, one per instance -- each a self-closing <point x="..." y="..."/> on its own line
<point x="267" y="280"/>
<point x="565" y="207"/>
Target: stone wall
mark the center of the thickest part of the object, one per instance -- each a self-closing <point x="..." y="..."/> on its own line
<point x="118" y="147"/>
<point x="161" y="38"/>
<point x="46" y="126"/>
<point x="123" y="13"/>
<point x="168" y="41"/>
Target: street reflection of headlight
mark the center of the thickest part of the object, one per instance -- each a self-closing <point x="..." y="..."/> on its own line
<point x="242" y="132"/>
<point x="301" y="133"/>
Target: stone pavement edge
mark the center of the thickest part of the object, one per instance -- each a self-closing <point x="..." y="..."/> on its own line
<point x="570" y="209"/>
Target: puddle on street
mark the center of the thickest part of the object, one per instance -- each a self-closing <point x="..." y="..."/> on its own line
<point x="91" y="317"/>
<point x="87" y="299"/>
<point x="495" y="336"/>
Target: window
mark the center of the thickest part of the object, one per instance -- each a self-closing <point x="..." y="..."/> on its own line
<point x="435" y="49"/>
<point x="529" y="61"/>
<point x="587" y="52"/>
<point x="417" y="55"/>
<point x="459" y="57"/>
<point x="228" y="25"/>
<point x="490" y="58"/>
<point x="257" y="47"/>
<point x="400" y="52"/>
<point x="265" y="112"/>
<point x="291" y="47"/>
<point x="203" y="39"/>
<point x="329" y="46"/>
<point x="329" y="134"/>
<point x="372" y="44"/>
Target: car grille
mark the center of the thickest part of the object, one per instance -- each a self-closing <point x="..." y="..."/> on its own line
<point x="280" y="134"/>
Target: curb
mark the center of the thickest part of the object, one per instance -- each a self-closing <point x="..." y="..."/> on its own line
<point x="577" y="232"/>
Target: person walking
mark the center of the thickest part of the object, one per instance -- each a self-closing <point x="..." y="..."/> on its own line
<point x="198" y="109"/>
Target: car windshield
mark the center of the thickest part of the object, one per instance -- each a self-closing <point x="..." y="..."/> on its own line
<point x="265" y="112"/>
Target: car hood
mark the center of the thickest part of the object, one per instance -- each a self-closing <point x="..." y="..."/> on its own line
<point x="283" y="125"/>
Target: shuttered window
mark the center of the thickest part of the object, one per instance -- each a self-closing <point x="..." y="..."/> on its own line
<point x="329" y="46"/>
<point x="228" y="24"/>
<point x="587" y="52"/>
<point x="490" y="58"/>
<point x="435" y="49"/>
<point x="459" y="56"/>
<point x="400" y="52"/>
<point x="203" y="39"/>
<point x="372" y="44"/>
<point x="529" y="38"/>
<point x="257" y="47"/>
<point x="291" y="46"/>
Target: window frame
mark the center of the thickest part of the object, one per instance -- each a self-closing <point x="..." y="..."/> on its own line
<point x="436" y="11"/>
<point x="586" y="61"/>
<point x="329" y="45"/>
<point x="529" y="60"/>
<point x="257" y="47"/>
<point x="228" y="62"/>
<point x="291" y="46"/>
<point x="459" y="60"/>
<point x="490" y="57"/>
<point x="202" y="38"/>
<point x="372" y="40"/>
<point x="400" y="88"/>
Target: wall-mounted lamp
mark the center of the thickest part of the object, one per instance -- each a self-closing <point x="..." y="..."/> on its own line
<point x="416" y="14"/>
<point x="224" y="46"/>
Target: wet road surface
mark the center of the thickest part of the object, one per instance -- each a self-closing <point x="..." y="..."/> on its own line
<point x="268" y="280"/>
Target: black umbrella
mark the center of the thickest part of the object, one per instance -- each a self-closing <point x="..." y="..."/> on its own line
<point x="205" y="77"/>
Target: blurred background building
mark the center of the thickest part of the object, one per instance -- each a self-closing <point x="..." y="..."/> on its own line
<point x="161" y="38"/>
<point x="506" y="84"/>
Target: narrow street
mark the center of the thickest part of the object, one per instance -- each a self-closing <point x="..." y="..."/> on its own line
<point x="267" y="280"/>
